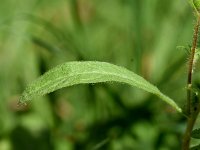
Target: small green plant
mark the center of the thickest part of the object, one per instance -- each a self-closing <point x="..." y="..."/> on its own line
<point x="85" y="72"/>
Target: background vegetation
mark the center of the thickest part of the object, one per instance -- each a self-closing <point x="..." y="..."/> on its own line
<point x="145" y="36"/>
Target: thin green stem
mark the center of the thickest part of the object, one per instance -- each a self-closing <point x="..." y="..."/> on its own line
<point x="192" y="107"/>
<point x="190" y="124"/>
<point x="191" y="66"/>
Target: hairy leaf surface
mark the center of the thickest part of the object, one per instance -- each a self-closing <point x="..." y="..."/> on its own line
<point x="72" y="73"/>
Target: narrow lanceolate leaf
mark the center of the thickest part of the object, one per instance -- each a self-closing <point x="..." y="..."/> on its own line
<point x="195" y="147"/>
<point x="196" y="133"/>
<point x="72" y="73"/>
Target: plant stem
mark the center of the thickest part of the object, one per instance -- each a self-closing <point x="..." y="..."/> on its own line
<point x="187" y="135"/>
<point x="192" y="108"/>
<point x="191" y="66"/>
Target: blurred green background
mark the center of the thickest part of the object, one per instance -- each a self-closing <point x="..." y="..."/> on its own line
<point x="141" y="35"/>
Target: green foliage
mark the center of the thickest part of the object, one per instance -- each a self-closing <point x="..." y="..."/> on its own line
<point x="73" y="73"/>
<point x="195" y="147"/>
<point x="196" y="134"/>
<point x="197" y="4"/>
<point x="140" y="35"/>
<point x="197" y="55"/>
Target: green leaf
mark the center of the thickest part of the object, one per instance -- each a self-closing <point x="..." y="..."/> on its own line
<point x="191" y="3"/>
<point x="195" y="147"/>
<point x="72" y="73"/>
<point x="197" y="4"/>
<point x="196" y="133"/>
